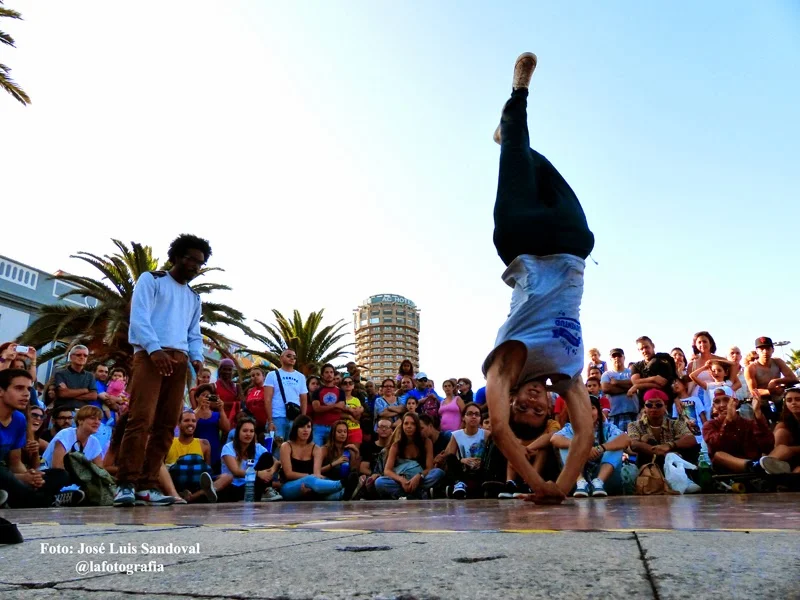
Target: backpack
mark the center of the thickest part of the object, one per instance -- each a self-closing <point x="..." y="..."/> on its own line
<point x="98" y="485"/>
<point x="651" y="481"/>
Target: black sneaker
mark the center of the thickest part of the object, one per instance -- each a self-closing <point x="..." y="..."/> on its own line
<point x="72" y="498"/>
<point x="491" y="489"/>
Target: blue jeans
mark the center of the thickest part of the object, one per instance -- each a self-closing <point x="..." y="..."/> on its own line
<point x="324" y="489"/>
<point x="321" y="434"/>
<point x="389" y="488"/>
<point x="282" y="428"/>
<point x="591" y="469"/>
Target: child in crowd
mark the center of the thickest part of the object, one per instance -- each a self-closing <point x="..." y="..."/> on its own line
<point x="593" y="387"/>
<point x="352" y="412"/>
<point x="720" y="373"/>
<point x="692" y="409"/>
<point x="411" y="404"/>
<point x="596" y="361"/>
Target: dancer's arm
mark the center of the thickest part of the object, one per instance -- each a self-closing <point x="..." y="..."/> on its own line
<point x="577" y="398"/>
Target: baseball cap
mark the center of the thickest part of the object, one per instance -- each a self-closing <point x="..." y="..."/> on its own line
<point x="655" y="395"/>
<point x="420" y="375"/>
<point x="724" y="390"/>
<point x="764" y="342"/>
<point x="616" y="351"/>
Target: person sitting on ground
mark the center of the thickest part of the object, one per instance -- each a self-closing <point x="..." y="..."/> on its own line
<point x="372" y="461"/>
<point x="212" y="422"/>
<point x="187" y="458"/>
<point x="59" y="419"/>
<point x="768" y="378"/>
<point x="409" y="469"/>
<point x="203" y="377"/>
<point x="736" y="444"/>
<point x="691" y="409"/>
<point x="655" y="435"/>
<point x="787" y="432"/>
<point x="466" y="452"/>
<point x="604" y="466"/>
<point x="341" y="460"/>
<point x="451" y="409"/>
<point x="36" y="446"/>
<point x="79" y="438"/>
<point x="230" y="485"/>
<point x="26" y="488"/>
<point x="301" y="463"/>
<point x="352" y="412"/>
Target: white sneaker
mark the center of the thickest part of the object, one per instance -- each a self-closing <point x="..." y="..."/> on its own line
<point x="581" y="489"/>
<point x="598" y="489"/>
<point x="153" y="498"/>
<point x="773" y="466"/>
<point x="207" y="485"/>
<point x="3" y="498"/>
<point x="271" y="495"/>
<point x="125" y="496"/>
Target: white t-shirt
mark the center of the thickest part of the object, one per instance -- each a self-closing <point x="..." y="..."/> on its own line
<point x="227" y="450"/>
<point x="470" y="446"/>
<point x="545" y="315"/>
<point x="68" y="438"/>
<point x="294" y="384"/>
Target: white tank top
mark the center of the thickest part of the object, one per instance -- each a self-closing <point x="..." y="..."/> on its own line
<point x="545" y="315"/>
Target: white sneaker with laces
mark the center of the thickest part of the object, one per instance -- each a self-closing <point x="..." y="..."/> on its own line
<point x="598" y="489"/>
<point x="153" y="498"/>
<point x="125" y="496"/>
<point x="271" y="495"/>
<point x="581" y="489"/>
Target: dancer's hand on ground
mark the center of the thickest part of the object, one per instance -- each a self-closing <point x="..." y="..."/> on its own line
<point x="547" y="493"/>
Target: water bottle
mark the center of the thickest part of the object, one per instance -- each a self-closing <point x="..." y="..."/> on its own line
<point x="250" y="482"/>
<point x="704" y="469"/>
<point x="344" y="468"/>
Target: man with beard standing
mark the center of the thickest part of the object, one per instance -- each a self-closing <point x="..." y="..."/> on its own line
<point x="165" y="335"/>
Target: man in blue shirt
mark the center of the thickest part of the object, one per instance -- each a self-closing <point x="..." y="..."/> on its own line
<point x="27" y="488"/>
<point x="165" y="335"/>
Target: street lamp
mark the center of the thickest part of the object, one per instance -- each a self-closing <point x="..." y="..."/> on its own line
<point x="781" y="345"/>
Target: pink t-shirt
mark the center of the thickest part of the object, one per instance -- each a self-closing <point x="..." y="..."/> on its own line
<point x="450" y="414"/>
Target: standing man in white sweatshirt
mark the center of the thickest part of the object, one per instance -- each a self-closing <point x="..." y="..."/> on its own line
<point x="165" y="335"/>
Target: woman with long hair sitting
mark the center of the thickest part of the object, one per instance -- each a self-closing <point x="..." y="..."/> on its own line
<point x="341" y="460"/>
<point x="230" y="485"/>
<point x="409" y="470"/>
<point x="605" y="460"/>
<point x="301" y="460"/>
<point x="787" y="431"/>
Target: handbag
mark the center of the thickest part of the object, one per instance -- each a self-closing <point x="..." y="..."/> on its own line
<point x="651" y="481"/>
<point x="292" y="410"/>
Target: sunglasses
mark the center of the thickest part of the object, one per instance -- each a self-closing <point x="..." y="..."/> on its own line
<point x="37" y="416"/>
<point x="348" y="383"/>
<point x="472" y="414"/>
<point x="654" y="404"/>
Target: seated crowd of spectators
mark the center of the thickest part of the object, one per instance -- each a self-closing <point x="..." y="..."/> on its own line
<point x="334" y="436"/>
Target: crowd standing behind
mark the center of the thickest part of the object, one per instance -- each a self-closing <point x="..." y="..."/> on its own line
<point x="333" y="436"/>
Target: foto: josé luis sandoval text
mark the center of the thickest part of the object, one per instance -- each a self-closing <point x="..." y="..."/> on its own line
<point x="115" y="548"/>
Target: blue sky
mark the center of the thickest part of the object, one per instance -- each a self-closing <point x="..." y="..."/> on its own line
<point x="331" y="151"/>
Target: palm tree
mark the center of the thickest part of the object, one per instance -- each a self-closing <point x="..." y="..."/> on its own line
<point x="314" y="346"/>
<point x="103" y="328"/>
<point x="794" y="359"/>
<point x="6" y="82"/>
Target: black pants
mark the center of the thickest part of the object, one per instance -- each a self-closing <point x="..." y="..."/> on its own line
<point x="21" y="495"/>
<point x="536" y="211"/>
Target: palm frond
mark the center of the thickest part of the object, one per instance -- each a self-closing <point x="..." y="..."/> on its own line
<point x="10" y="86"/>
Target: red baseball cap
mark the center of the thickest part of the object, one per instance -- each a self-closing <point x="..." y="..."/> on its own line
<point x="655" y="395"/>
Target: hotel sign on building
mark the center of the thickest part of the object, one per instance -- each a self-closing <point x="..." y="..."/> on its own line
<point x="387" y="333"/>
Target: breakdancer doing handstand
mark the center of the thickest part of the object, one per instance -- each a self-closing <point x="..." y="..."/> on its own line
<point x="543" y="238"/>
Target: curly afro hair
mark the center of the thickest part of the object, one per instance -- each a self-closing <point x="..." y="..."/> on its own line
<point x="185" y="242"/>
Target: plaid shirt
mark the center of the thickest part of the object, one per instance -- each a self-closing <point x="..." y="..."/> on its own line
<point x="671" y="430"/>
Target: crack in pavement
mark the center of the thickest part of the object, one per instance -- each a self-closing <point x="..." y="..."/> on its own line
<point x="646" y="562"/>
